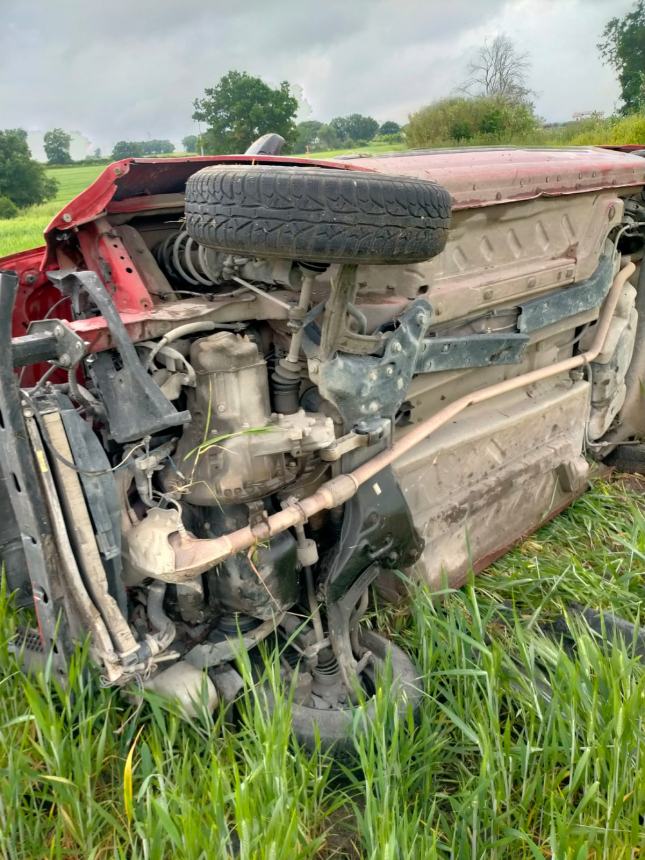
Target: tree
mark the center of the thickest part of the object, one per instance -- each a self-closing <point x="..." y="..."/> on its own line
<point x="189" y="143"/>
<point x="354" y="128"/>
<point x="22" y="179"/>
<point x="57" y="144"/>
<point x="127" y="149"/>
<point x="499" y="71"/>
<point x="389" y="127"/>
<point x="139" y="148"/>
<point x="156" y="147"/>
<point x="623" y="47"/>
<point x="240" y="108"/>
<point x="461" y="119"/>
<point x="307" y="135"/>
<point x="8" y="209"/>
<point x="328" y="138"/>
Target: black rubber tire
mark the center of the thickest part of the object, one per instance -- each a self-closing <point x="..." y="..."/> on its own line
<point x="336" y="728"/>
<point x="628" y="458"/>
<point x="314" y="214"/>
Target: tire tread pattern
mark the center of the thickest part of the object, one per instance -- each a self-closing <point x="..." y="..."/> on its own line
<point x="317" y="214"/>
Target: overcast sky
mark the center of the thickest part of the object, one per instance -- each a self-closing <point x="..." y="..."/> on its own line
<point x="115" y="69"/>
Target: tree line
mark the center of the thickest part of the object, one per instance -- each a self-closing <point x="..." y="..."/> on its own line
<point x="493" y="105"/>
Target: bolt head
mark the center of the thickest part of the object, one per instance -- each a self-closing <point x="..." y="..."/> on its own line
<point x="67" y="217"/>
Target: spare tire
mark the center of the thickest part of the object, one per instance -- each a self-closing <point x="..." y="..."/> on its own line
<point x="317" y="214"/>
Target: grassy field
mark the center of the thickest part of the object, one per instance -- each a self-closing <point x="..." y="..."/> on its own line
<point x="369" y="149"/>
<point x="526" y="745"/>
<point x="26" y="231"/>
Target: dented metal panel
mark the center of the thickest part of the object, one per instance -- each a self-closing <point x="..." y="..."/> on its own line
<point x="494" y="474"/>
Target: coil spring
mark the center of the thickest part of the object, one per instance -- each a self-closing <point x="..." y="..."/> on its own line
<point x="184" y="259"/>
<point x="327" y="664"/>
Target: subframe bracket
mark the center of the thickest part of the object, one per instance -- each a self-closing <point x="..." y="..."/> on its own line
<point x="568" y="302"/>
<point x="134" y="403"/>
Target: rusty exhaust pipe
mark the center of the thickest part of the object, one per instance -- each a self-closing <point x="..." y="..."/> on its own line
<point x="194" y="556"/>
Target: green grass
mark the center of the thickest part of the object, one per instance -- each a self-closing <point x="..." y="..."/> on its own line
<point x="26" y="231"/>
<point x="523" y="748"/>
<point x="368" y="149"/>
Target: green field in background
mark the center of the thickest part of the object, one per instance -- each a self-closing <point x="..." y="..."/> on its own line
<point x="26" y="231"/>
<point x="369" y="149"/>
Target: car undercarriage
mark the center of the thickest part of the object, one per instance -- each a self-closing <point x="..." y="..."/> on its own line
<point x="239" y="393"/>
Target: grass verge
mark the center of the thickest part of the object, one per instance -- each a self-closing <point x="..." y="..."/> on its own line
<point x="525" y="746"/>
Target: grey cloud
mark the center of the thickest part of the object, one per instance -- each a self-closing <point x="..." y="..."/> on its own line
<point x="131" y="68"/>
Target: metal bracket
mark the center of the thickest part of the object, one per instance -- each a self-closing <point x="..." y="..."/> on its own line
<point x="70" y="348"/>
<point x="47" y="340"/>
<point x="568" y="302"/>
<point x="343" y="445"/>
<point x="134" y="403"/>
<point x="477" y="350"/>
<point x="365" y="386"/>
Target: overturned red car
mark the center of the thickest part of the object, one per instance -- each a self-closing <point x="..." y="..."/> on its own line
<point x="239" y="392"/>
